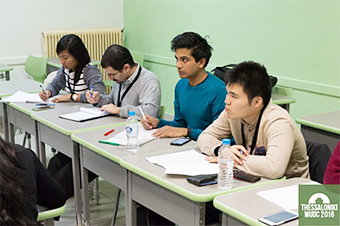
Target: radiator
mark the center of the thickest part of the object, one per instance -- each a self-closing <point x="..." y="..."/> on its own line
<point x="95" y="40"/>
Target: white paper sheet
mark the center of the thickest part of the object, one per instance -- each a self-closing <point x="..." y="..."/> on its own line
<point x="23" y="97"/>
<point x="84" y="114"/>
<point x="143" y="136"/>
<point x="285" y="197"/>
<point x="189" y="163"/>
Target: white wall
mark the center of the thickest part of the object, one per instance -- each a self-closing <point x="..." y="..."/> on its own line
<point x="22" y="23"/>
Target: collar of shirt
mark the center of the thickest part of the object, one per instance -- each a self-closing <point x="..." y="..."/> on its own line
<point x="132" y="77"/>
<point x="251" y="126"/>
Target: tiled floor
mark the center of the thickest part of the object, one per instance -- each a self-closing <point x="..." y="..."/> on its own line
<point x="100" y="214"/>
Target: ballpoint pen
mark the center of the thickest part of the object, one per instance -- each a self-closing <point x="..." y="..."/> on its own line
<point x="141" y="111"/>
<point x="91" y="89"/>
<point x="42" y="88"/>
<point x="107" y="133"/>
<point x="107" y="142"/>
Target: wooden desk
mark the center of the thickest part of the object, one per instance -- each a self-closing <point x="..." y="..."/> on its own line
<point x="238" y="211"/>
<point x="53" y="64"/>
<point x="321" y="128"/>
<point x="5" y="68"/>
<point x="171" y="196"/>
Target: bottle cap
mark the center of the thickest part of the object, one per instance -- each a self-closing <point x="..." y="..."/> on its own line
<point x="132" y="113"/>
<point x="226" y="141"/>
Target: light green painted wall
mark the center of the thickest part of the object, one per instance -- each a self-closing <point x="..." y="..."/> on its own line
<point x="297" y="40"/>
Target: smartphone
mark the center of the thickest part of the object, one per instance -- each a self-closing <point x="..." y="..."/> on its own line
<point x="279" y="218"/>
<point x="203" y="180"/>
<point x="180" y="141"/>
<point x="42" y="108"/>
<point x="245" y="176"/>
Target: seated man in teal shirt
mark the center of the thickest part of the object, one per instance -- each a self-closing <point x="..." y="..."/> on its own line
<point x="199" y="95"/>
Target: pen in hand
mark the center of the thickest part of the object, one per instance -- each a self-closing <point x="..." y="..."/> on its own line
<point x="141" y="111"/>
<point x="42" y="88"/>
<point x="91" y="89"/>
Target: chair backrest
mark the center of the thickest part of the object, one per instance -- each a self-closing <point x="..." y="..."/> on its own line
<point x="36" y="67"/>
<point x="162" y="112"/>
<point x="319" y="155"/>
<point x="48" y="215"/>
<point x="286" y="91"/>
<point x="138" y="57"/>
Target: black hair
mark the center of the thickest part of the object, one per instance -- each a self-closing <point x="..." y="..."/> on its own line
<point x="75" y="46"/>
<point x="116" y="56"/>
<point x="12" y="200"/>
<point x="254" y="79"/>
<point x="191" y="40"/>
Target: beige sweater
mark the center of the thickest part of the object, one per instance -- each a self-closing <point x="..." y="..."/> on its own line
<point x="284" y="145"/>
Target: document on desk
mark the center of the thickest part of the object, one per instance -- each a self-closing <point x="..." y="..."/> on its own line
<point x="188" y="163"/>
<point x="275" y="196"/>
<point x="85" y="114"/>
<point x="23" y="97"/>
<point x="144" y="136"/>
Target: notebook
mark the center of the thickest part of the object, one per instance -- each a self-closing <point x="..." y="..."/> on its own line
<point x="85" y="114"/>
<point x="144" y="136"/>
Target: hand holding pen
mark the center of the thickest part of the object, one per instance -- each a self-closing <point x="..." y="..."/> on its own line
<point x="147" y="121"/>
<point x="44" y="94"/>
<point x="92" y="96"/>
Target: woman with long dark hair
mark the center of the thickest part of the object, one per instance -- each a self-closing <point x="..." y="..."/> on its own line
<point x="76" y="75"/>
<point x="24" y="183"/>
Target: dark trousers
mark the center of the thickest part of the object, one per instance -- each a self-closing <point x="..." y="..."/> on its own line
<point x="60" y="167"/>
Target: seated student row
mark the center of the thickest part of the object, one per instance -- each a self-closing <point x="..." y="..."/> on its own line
<point x="271" y="143"/>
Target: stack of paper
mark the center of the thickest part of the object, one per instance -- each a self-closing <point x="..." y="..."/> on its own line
<point x="143" y="136"/>
<point x="23" y="97"/>
<point x="189" y="163"/>
<point x="85" y="114"/>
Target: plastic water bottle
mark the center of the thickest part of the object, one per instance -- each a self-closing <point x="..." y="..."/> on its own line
<point x="132" y="131"/>
<point x="226" y="165"/>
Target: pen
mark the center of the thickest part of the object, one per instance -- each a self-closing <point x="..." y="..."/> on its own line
<point x="141" y="111"/>
<point x="42" y="104"/>
<point x="106" y="142"/>
<point x="107" y="133"/>
<point x="91" y="89"/>
<point x="42" y="88"/>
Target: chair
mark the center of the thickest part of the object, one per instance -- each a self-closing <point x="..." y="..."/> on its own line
<point x="137" y="57"/>
<point x="162" y="112"/>
<point x="285" y="91"/>
<point x="319" y="155"/>
<point x="48" y="215"/>
<point x="36" y="67"/>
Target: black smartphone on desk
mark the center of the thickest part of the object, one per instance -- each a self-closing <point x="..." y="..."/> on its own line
<point x="180" y="141"/>
<point x="203" y="180"/>
<point x="245" y="176"/>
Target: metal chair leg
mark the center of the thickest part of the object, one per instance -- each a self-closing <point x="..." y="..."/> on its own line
<point x="116" y="208"/>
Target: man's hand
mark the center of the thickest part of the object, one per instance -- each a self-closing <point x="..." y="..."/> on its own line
<point x="239" y="152"/>
<point x="94" y="98"/>
<point x="62" y="98"/>
<point x="169" y="131"/>
<point x="150" y="122"/>
<point x="45" y="95"/>
<point x="111" y="108"/>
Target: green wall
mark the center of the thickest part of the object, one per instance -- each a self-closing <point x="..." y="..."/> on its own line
<point x="297" y="40"/>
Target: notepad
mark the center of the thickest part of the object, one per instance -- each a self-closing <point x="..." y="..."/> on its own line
<point x="144" y="136"/>
<point x="85" y="114"/>
<point x="23" y="97"/>
<point x="188" y="163"/>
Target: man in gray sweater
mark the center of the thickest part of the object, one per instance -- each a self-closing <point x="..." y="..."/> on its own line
<point x="133" y="86"/>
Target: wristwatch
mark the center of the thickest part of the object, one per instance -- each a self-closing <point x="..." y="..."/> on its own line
<point x="74" y="97"/>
